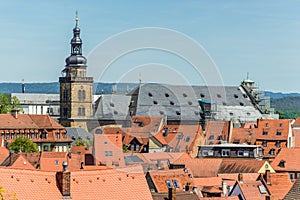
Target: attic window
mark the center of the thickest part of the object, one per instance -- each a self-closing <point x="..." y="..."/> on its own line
<point x="154" y="102"/>
<point x="112" y="105"/>
<point x="280" y="125"/>
<point x="278" y="132"/>
<point x="168" y="184"/>
<point x="231" y="113"/>
<point x="265" y="132"/>
<point x="167" y="95"/>
<point x="278" y="144"/>
<point x="202" y="95"/>
<point x="245" y="96"/>
<point x="282" y="164"/>
<point x="190" y="103"/>
<point x="224" y="103"/>
<point x="264" y="143"/>
<point x="184" y="95"/>
<point x="219" y="96"/>
<point x="171" y="103"/>
<point x="150" y="94"/>
<point x="187" y="139"/>
<point x="178" y="113"/>
<point x="241" y="103"/>
<point x="56" y="162"/>
<point x="175" y="183"/>
<point x="248" y="113"/>
<point x="98" y="131"/>
<point x="115" y="112"/>
<point x="267" y="125"/>
<point x="236" y="96"/>
<point x="262" y="189"/>
<point x="161" y="112"/>
<point x="211" y="137"/>
<point x="272" y="152"/>
<point x="196" y="112"/>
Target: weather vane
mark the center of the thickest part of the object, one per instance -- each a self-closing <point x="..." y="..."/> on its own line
<point x="76" y="19"/>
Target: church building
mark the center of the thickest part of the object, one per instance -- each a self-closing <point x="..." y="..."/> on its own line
<point x="75" y="87"/>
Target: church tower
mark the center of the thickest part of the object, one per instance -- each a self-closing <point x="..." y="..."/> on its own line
<point x="75" y="87"/>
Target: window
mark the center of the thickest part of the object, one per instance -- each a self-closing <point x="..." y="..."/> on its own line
<point x="167" y="95"/>
<point x="37" y="136"/>
<point x="171" y="103"/>
<point x="292" y="176"/>
<point x="265" y="132"/>
<point x="246" y="153"/>
<point x="32" y="136"/>
<point x="278" y="144"/>
<point x="150" y="94"/>
<point x="219" y="96"/>
<point x="137" y="147"/>
<point x="108" y="153"/>
<point x="264" y="143"/>
<point x="225" y="152"/>
<point x="66" y="95"/>
<point x="154" y="102"/>
<point x="240" y="153"/>
<point x="175" y="183"/>
<point x="204" y="153"/>
<point x="187" y="139"/>
<point x="211" y="137"/>
<point x="272" y="152"/>
<point x="168" y="184"/>
<point x="58" y="135"/>
<point x="184" y="95"/>
<point x="278" y="132"/>
<point x="81" y="111"/>
<point x="81" y="95"/>
<point x="280" y="125"/>
<point x="282" y="164"/>
<point x="56" y="162"/>
<point x="267" y="125"/>
<point x="46" y="148"/>
<point x="65" y="111"/>
<point x="210" y="153"/>
<point x="262" y="189"/>
<point x="64" y="135"/>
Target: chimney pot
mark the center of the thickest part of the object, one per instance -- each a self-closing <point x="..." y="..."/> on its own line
<point x="240" y="178"/>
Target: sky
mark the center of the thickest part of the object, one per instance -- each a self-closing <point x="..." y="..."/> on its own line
<point x="258" y="37"/>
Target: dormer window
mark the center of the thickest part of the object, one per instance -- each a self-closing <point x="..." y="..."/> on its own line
<point x="280" y="125"/>
<point x="278" y="144"/>
<point x="264" y="143"/>
<point x="267" y="125"/>
<point x="265" y="132"/>
<point x="282" y="164"/>
<point x="272" y="152"/>
<point x="278" y="132"/>
<point x="168" y="184"/>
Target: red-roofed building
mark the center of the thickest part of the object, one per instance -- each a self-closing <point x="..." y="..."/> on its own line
<point x="273" y="135"/>
<point x="217" y="132"/>
<point x="41" y="129"/>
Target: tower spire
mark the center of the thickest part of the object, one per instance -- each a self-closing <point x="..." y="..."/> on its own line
<point x="76" y="18"/>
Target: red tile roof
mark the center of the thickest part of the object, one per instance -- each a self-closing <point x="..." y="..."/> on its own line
<point x="280" y="185"/>
<point x="216" y="131"/>
<point x="160" y="177"/>
<point x="291" y="159"/>
<point x="296" y="134"/>
<point x="243" y="136"/>
<point x="241" y="166"/>
<point x="29" y="184"/>
<point x="109" y="184"/>
<point x="272" y="127"/>
<point x="4" y="153"/>
<point x="250" y="189"/>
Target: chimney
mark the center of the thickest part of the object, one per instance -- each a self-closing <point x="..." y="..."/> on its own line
<point x="224" y="188"/>
<point x="172" y="193"/>
<point x="63" y="181"/>
<point x="14" y="113"/>
<point x="240" y="178"/>
<point x="267" y="177"/>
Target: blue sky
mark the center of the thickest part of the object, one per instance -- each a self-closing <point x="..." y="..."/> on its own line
<point x="259" y="37"/>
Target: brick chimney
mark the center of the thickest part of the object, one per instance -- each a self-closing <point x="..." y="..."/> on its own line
<point x="267" y="177"/>
<point x="240" y="178"/>
<point x="172" y="193"/>
<point x="14" y="113"/>
<point x="63" y="181"/>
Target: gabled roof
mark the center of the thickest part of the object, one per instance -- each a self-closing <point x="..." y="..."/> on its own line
<point x="280" y="185"/>
<point x="4" y="153"/>
<point x="204" y="167"/>
<point x="159" y="179"/>
<point x="216" y="131"/>
<point x="272" y="127"/>
<point x="109" y="184"/>
<point x="241" y="166"/>
<point x="290" y="157"/>
<point x="28" y="121"/>
<point x="29" y="184"/>
<point x="243" y="135"/>
<point x="250" y="189"/>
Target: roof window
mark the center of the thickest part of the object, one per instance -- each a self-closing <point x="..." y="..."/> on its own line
<point x="154" y="102"/>
<point x="172" y="103"/>
<point x="241" y="103"/>
<point x="184" y="95"/>
<point x="190" y="103"/>
<point x="115" y="112"/>
<point x="112" y="104"/>
<point x="224" y="103"/>
<point x="219" y="96"/>
<point x="282" y="164"/>
<point x="168" y="184"/>
<point x="236" y="96"/>
<point x="161" y="112"/>
<point x="175" y="183"/>
<point x="167" y="95"/>
<point x="202" y="95"/>
<point x="178" y="113"/>
<point x="150" y="94"/>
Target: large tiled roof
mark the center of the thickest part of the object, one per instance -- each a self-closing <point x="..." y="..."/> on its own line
<point x="181" y="102"/>
<point x="290" y="157"/>
<point x="216" y="131"/>
<point x="272" y="127"/>
<point x="28" y="121"/>
<point x="250" y="190"/>
<point x="29" y="184"/>
<point x="112" y="106"/>
<point x="241" y="166"/>
<point x="280" y="185"/>
<point x="160" y="177"/>
<point x="109" y="184"/>
<point x="294" y="192"/>
<point x="243" y="136"/>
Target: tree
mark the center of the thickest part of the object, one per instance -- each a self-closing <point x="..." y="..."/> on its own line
<point x="7" y="104"/>
<point x="23" y="144"/>
<point x="79" y="142"/>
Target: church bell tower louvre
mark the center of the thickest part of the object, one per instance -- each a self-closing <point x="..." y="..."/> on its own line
<point x="75" y="87"/>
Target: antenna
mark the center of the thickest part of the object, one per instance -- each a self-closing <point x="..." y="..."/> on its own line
<point x="140" y="78"/>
